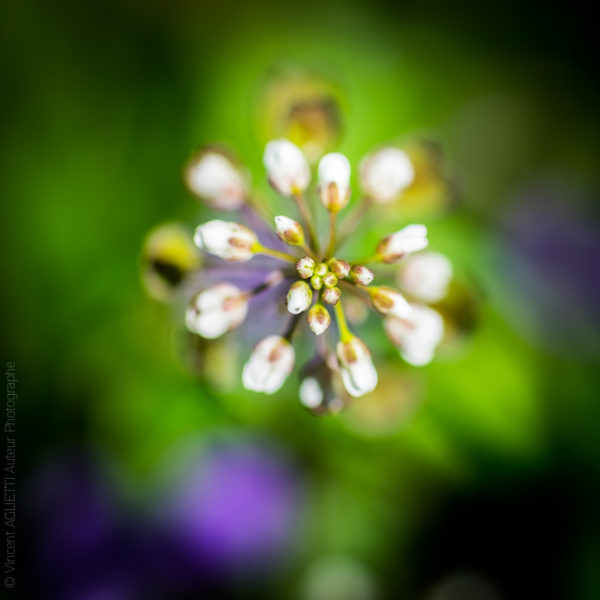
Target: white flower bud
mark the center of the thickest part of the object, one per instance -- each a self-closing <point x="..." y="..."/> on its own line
<point x="385" y="173"/>
<point x="216" y="310"/>
<point x="361" y="275"/>
<point x="287" y="169"/>
<point x="269" y="365"/>
<point x="426" y="276"/>
<point x="334" y="181"/>
<point x="298" y="297"/>
<point x="213" y="176"/>
<point x="229" y="241"/>
<point x="418" y="336"/>
<point x="339" y="267"/>
<point x="318" y="319"/>
<point x="332" y="295"/>
<point x="358" y="373"/>
<point x="310" y="392"/>
<point x="305" y="267"/>
<point x="289" y="231"/>
<point x="395" y="246"/>
<point x="389" y="301"/>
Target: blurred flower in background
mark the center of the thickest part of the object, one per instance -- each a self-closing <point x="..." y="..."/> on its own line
<point x="301" y="105"/>
<point x="232" y="504"/>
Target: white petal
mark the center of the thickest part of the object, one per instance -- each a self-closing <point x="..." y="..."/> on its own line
<point x="286" y="166"/>
<point x="385" y="173"/>
<point x="310" y="392"/>
<point x="213" y="176"/>
<point x="269" y="365"/>
<point x="417" y="336"/>
<point x="426" y="276"/>
<point x="401" y="308"/>
<point x="334" y="168"/>
<point x="299" y="298"/>
<point x="216" y="310"/>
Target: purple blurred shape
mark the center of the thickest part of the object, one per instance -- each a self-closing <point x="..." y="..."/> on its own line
<point x="236" y="508"/>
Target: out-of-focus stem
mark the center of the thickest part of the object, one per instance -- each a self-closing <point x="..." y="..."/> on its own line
<point x="331" y="245"/>
<point x="353" y="220"/>
<point x="345" y="333"/>
<point x="289" y="332"/>
<point x="303" y="208"/>
<point x="260" y="249"/>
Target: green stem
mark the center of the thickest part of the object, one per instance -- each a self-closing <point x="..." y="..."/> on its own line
<point x="331" y="246"/>
<point x="303" y="208"/>
<point x="354" y="219"/>
<point x="345" y="333"/>
<point x="260" y="249"/>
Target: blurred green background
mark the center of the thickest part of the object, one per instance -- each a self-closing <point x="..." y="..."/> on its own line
<point x="487" y="478"/>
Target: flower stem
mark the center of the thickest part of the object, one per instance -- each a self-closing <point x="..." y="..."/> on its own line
<point x="369" y="259"/>
<point x="308" y="251"/>
<point x="273" y="279"/>
<point x="345" y="333"/>
<point x="331" y="246"/>
<point x="354" y="219"/>
<point x="289" y="332"/>
<point x="260" y="249"/>
<point x="303" y="208"/>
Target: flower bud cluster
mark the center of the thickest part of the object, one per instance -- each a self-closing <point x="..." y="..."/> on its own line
<point x="315" y="279"/>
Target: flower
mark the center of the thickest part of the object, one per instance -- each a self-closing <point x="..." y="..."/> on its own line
<point x="385" y="173"/>
<point x="426" y="276"/>
<point x="229" y="241"/>
<point x="418" y="336"/>
<point x="396" y="245"/>
<point x="299" y="297"/>
<point x="216" y="310"/>
<point x="289" y="231"/>
<point x="334" y="181"/>
<point x="361" y="275"/>
<point x="389" y="301"/>
<point x="168" y="258"/>
<point x="305" y="267"/>
<point x="212" y="175"/>
<point x="287" y="169"/>
<point x="358" y="373"/>
<point x="316" y="279"/>
<point x="318" y="319"/>
<point x="321" y="390"/>
<point x="271" y="362"/>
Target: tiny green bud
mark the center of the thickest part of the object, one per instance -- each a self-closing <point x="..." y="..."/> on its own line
<point x="321" y="269"/>
<point x="316" y="282"/>
<point x="305" y="267"/>
<point x="330" y="280"/>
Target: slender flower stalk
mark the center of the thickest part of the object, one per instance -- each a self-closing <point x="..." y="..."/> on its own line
<point x="303" y="208"/>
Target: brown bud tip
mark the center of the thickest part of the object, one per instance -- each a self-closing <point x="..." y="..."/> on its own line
<point x="289" y="231"/>
<point x="318" y="319"/>
<point x="331" y="295"/>
<point x="330" y="280"/>
<point x="305" y="267"/>
<point x="361" y="275"/>
<point x="340" y="267"/>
